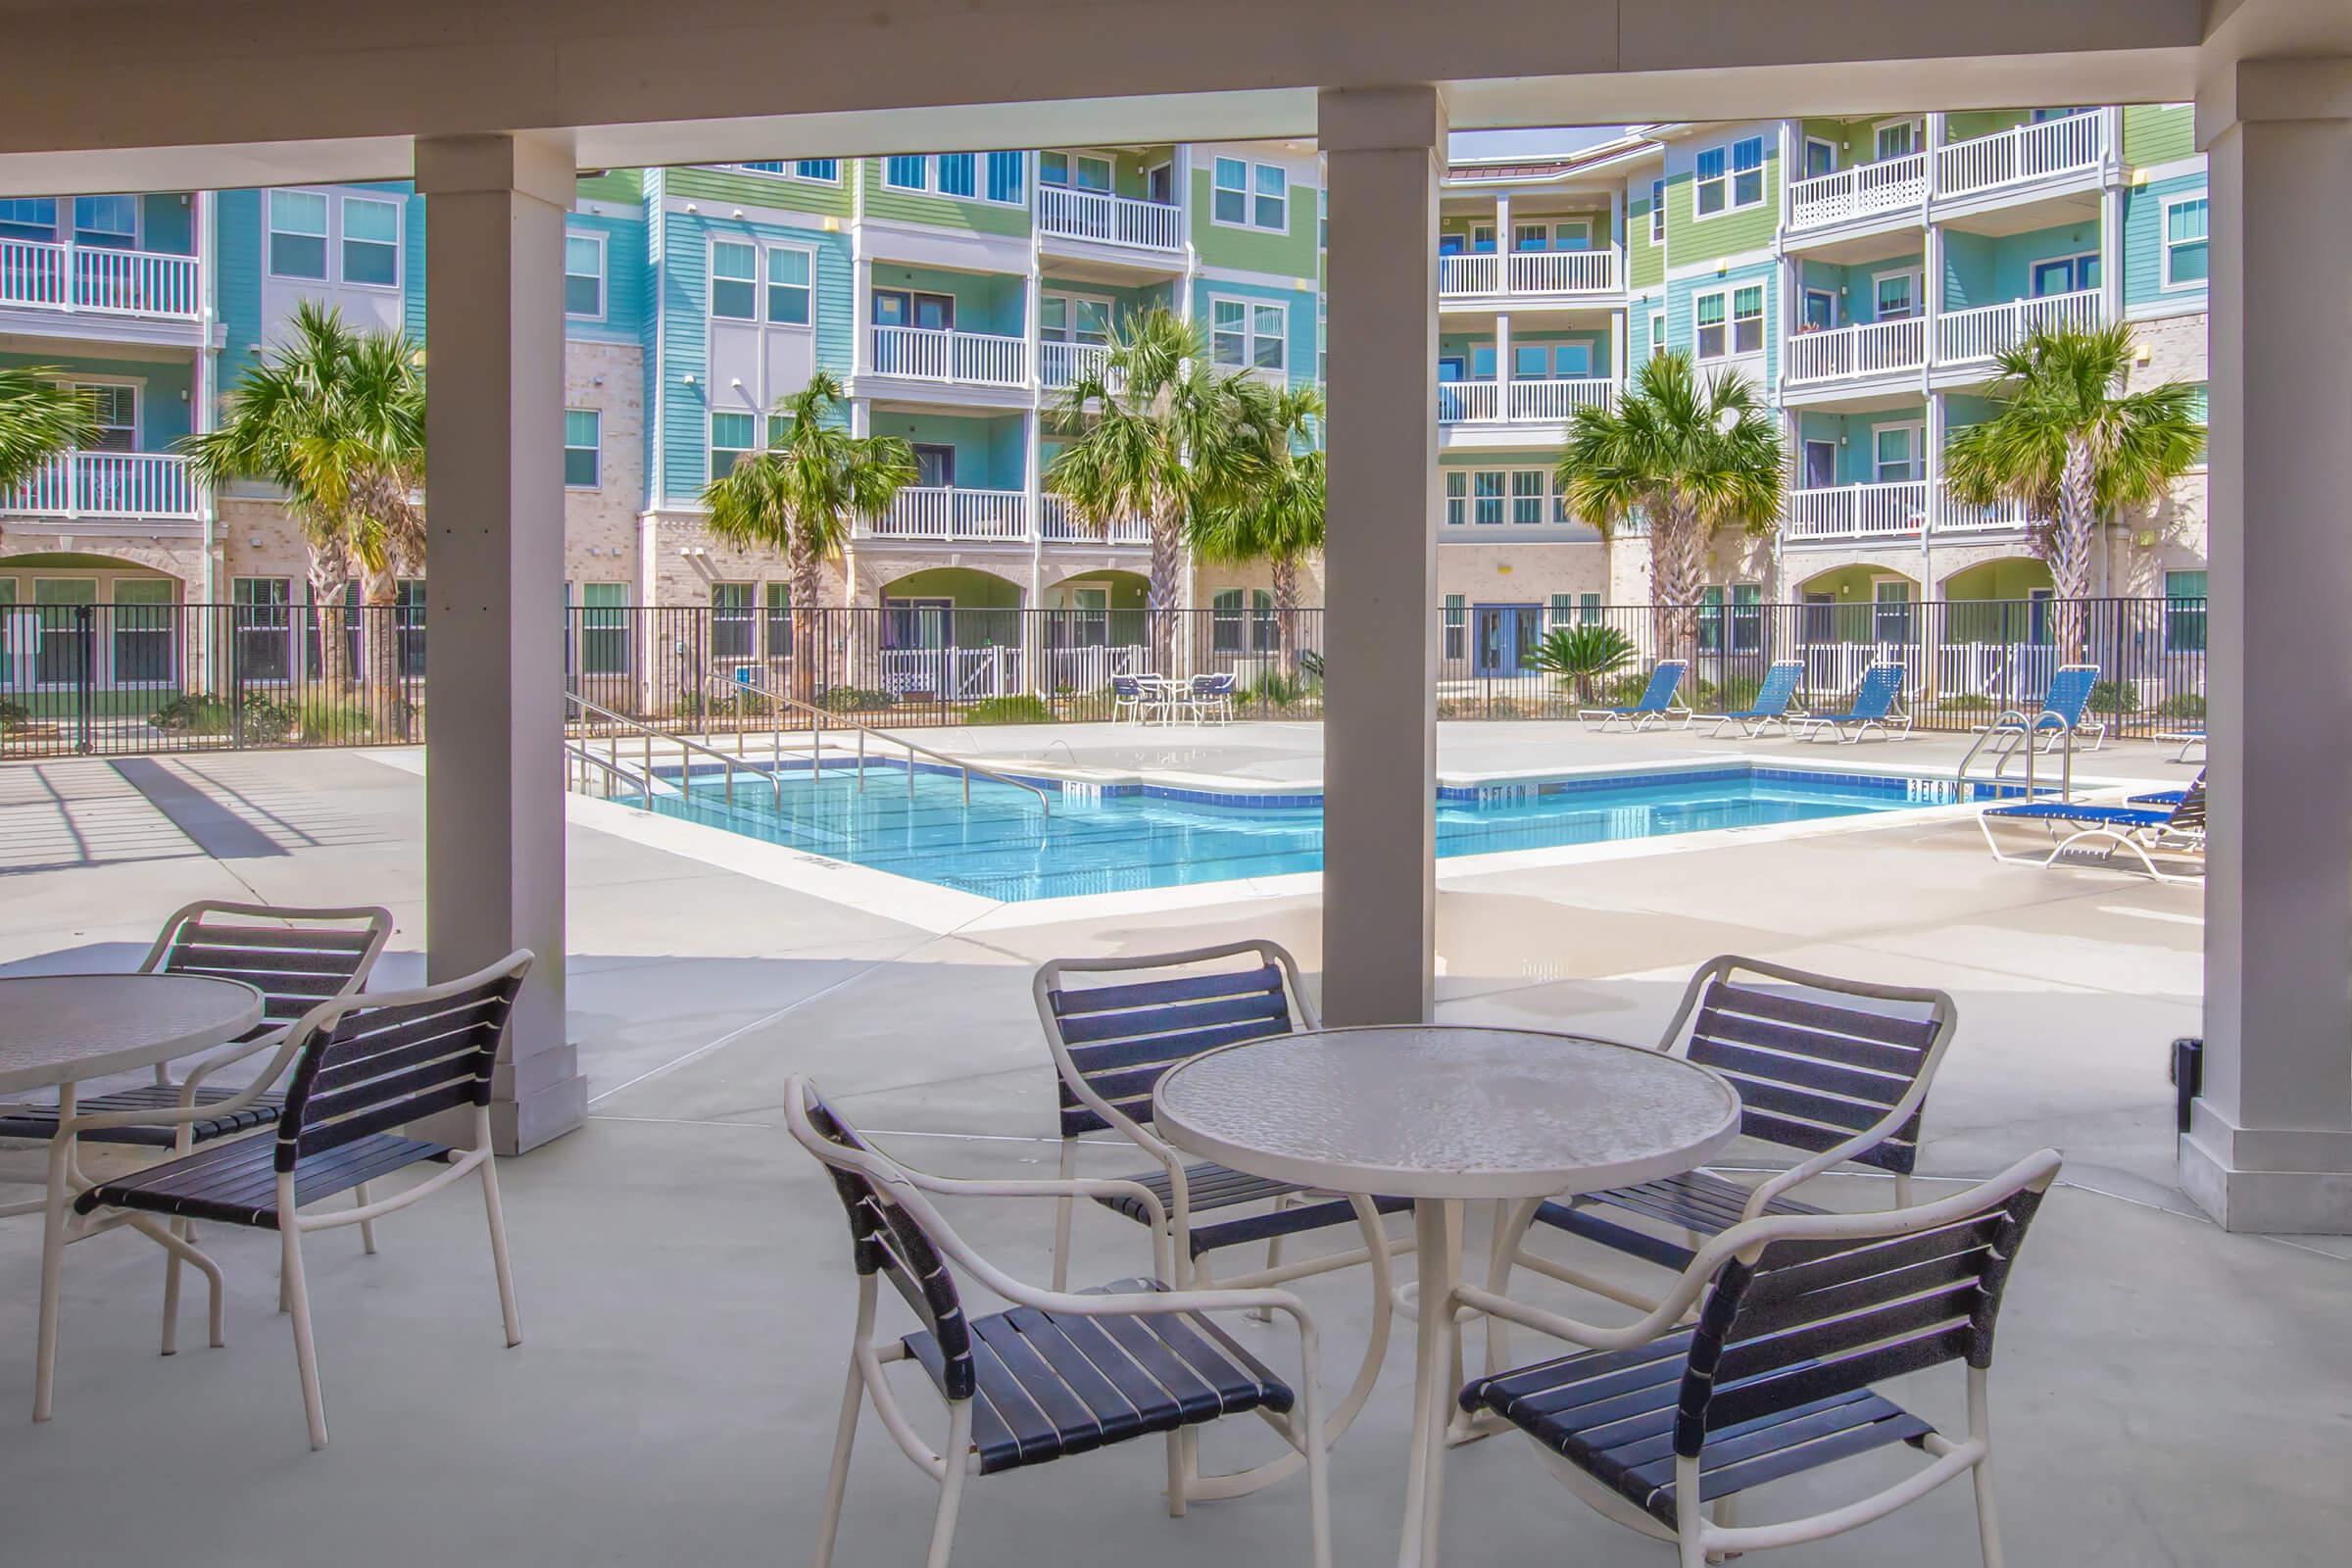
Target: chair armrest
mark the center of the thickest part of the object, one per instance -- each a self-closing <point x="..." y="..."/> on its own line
<point x="1060" y="1187"/>
<point x="288" y="1046"/>
<point x="208" y="1066"/>
<point x="1593" y="1336"/>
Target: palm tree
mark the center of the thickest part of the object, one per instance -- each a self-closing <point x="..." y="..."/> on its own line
<point x="2069" y="443"/>
<point x="1157" y="431"/>
<point x="39" y="417"/>
<point x="334" y="416"/>
<point x="1279" y="519"/>
<point x="802" y="495"/>
<point x="1690" y="456"/>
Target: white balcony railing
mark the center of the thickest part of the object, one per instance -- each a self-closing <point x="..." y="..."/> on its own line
<point x="1871" y="348"/>
<point x="1890" y="511"/>
<point x="1954" y="515"/>
<point x="1527" y="272"/>
<point x="99" y="279"/>
<point x="1863" y="191"/>
<point x="1964" y="337"/>
<point x="1058" y="364"/>
<point x="2066" y="145"/>
<point x="945" y="512"/>
<point x="1109" y="220"/>
<point x="1465" y="402"/>
<point x="1058" y="527"/>
<point x="934" y="354"/>
<point x="107" y="484"/>
<point x="1556" y="402"/>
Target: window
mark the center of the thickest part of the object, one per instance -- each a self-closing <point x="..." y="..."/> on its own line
<point x="2185" y="612"/>
<point x="584" y="275"/>
<point x="1821" y="311"/>
<point x="1272" y="206"/>
<point x="604" y="629"/>
<point x="114" y="405"/>
<point x="1895" y="296"/>
<point x="1005" y="179"/>
<point x="933" y="465"/>
<point x="298" y="234"/>
<point x="2185" y="226"/>
<point x="1748" y="172"/>
<point x="1526" y="496"/>
<point x="1713" y="191"/>
<point x="1075" y="170"/>
<point x="1895" y="452"/>
<point x="733" y="633"/>
<point x="1563" y="611"/>
<point x="959" y="175"/>
<point x="2065" y="273"/>
<point x="1250" y="334"/>
<point x="899" y="306"/>
<point x="1246" y="195"/>
<point x="1710" y="620"/>
<point x="583" y="443"/>
<point x="1458" y="619"/>
<point x="1458" y="498"/>
<point x="1482" y="239"/>
<point x="827" y="170"/>
<point x="1820" y="158"/>
<point x="408" y="624"/>
<point x="1073" y="318"/>
<point x="60" y="655"/>
<point x="731" y="439"/>
<point x="1225" y="622"/>
<point x="1747" y="320"/>
<point x="1897" y="138"/>
<point x="110" y="222"/>
<point x="1657" y="211"/>
<point x="788" y="286"/>
<point x="1487" y="489"/>
<point x="1531" y="236"/>
<point x="1657" y="333"/>
<point x="1707" y="325"/>
<point x="779" y="620"/>
<point x="1891" y="613"/>
<point x="907" y="173"/>
<point x="1588" y="609"/>
<point x="142" y="628"/>
<point x="1718" y="191"/>
<point x="371" y="242"/>
<point x="734" y="270"/>
<point x="32" y="217"/>
<point x="1229" y="201"/>
<point x="1747" y="617"/>
<point x="262" y="619"/>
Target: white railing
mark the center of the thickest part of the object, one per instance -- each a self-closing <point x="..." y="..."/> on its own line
<point x="1892" y="511"/>
<point x="1871" y="348"/>
<point x="1955" y="516"/>
<point x="1547" y="402"/>
<point x="98" y="279"/>
<point x="2037" y="151"/>
<point x="1088" y="668"/>
<point x="1563" y="271"/>
<point x="952" y="674"/>
<point x="935" y="354"/>
<point x="1058" y="364"/>
<point x="1983" y="333"/>
<point x="1110" y="219"/>
<point x="1056" y="526"/>
<point x="1837" y="667"/>
<point x="2020" y="671"/>
<point x="1470" y="275"/>
<point x="1465" y="402"/>
<point x="1863" y="191"/>
<point x="107" y="484"/>
<point x="945" y="511"/>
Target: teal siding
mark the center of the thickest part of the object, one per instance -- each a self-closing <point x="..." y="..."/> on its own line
<point x="985" y="301"/>
<point x="413" y="279"/>
<point x="168" y="223"/>
<point x="2143" y="243"/>
<point x="1970" y="270"/>
<point x="1856" y="434"/>
<point x="1301" y="347"/>
<point x="624" y="319"/>
<point x="2016" y="256"/>
<point x="165" y="389"/>
<point x="988" y="450"/>
<point x="1681" y="291"/>
<point x="237" y="242"/>
<point x="649" y="312"/>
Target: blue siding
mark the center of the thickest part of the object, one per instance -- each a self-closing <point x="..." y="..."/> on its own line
<point x="1301" y="328"/>
<point x="168" y="223"/>
<point x="412" y="277"/>
<point x="165" y="387"/>
<point x="237" y="242"/>
<point x="2143" y="243"/>
<point x="624" y="318"/>
<point x="1681" y="291"/>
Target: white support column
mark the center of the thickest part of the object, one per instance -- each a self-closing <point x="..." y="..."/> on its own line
<point x="2111" y="254"/>
<point x="1502" y="240"/>
<point x="1932" y="133"/>
<point x="494" y="497"/>
<point x="1383" y="147"/>
<point x="2270" y="1146"/>
<point x="206" y="413"/>
<point x="1503" y="365"/>
<point x="1032" y="643"/>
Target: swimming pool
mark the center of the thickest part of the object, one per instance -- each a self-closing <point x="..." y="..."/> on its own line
<point x="1128" y="837"/>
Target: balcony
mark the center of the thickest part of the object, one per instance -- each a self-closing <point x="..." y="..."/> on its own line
<point x="1979" y="336"/>
<point x="2013" y="160"/>
<point x="1547" y="402"/>
<point x="108" y="484"/>
<point x="1529" y="274"/>
<point x="1853" y="357"/>
<point x="1056" y="526"/>
<point x="100" y="281"/>
<point x="1896" y="512"/>
<point x="1101" y="218"/>
<point x="1853" y="353"/>
<point x="948" y="513"/>
<point x="1058" y="364"/>
<point x="950" y="358"/>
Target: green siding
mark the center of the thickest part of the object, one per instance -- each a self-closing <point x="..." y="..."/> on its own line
<point x="2158" y="133"/>
<point x="740" y="188"/>
<point x="625" y="185"/>
<point x="940" y="212"/>
<point x="1645" y="263"/>
<point x="1258" y="250"/>
<point x="1690" y="239"/>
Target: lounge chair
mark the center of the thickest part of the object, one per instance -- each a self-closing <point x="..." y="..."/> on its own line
<point x="2065" y="707"/>
<point x="1877" y="705"/>
<point x="2188" y="737"/>
<point x="1657" y="706"/>
<point x="1774" y="703"/>
<point x="2176" y="833"/>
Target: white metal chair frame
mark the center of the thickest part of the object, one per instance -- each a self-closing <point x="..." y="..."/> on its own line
<point x="1699" y="1537"/>
<point x="1637" y="718"/>
<point x="293" y="1221"/>
<point x="2155" y="847"/>
<point x="2045" y="731"/>
<point x="1754" y="728"/>
<point x="905" y="1188"/>
<point x="1207" y="698"/>
<point x="1896" y="725"/>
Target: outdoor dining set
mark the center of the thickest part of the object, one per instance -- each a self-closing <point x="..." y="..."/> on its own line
<point x="1153" y="699"/>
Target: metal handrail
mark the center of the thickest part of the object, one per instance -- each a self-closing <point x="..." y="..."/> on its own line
<point x="649" y="734"/>
<point x="640" y="784"/>
<point x="778" y="700"/>
<point x="2018" y="731"/>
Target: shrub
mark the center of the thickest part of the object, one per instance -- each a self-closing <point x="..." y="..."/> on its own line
<point x="322" y="717"/>
<point x="2115" y="696"/>
<point x="853" y="698"/>
<point x="1968" y="702"/>
<point x="1018" y="708"/>
<point x="1274" y="689"/>
<point x="1625" y="690"/>
<point x="1583" y="655"/>
<point x="14" y="717"/>
<point x="193" y="713"/>
<point x="265" y="722"/>
<point x="2181" y="704"/>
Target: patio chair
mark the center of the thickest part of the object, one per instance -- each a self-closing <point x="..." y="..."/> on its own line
<point x="1210" y="697"/>
<point x="309" y="956"/>
<point x="1657" y="706"/>
<point x="366" y="1066"/>
<point x="1058" y="1374"/>
<point x="2175" y="832"/>
<point x="2064" y="708"/>
<point x="1774" y="703"/>
<point x="1128" y="698"/>
<point x="1877" y="705"/>
<point x="1831" y="1073"/>
<point x="1662" y="1424"/>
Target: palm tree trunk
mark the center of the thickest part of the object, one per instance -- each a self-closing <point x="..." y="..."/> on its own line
<point x="2071" y="544"/>
<point x="805" y="641"/>
<point x="1160" y="596"/>
<point x="1675" y="572"/>
<point x="380" y="646"/>
<point x="1286" y="612"/>
<point x="328" y="585"/>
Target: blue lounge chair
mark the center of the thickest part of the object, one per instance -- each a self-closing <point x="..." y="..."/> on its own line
<point x="1775" y="704"/>
<point x="2190" y="739"/>
<point x="2177" y="832"/>
<point x="2065" y="707"/>
<point x="1877" y="706"/>
<point x="1657" y="706"/>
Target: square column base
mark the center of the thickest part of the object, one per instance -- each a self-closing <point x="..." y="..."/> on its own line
<point x="2292" y="1181"/>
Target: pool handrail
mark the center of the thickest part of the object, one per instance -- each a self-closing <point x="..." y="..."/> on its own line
<point x="777" y="701"/>
<point x="650" y="733"/>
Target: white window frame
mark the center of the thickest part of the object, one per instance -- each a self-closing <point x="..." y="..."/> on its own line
<point x="790" y="169"/>
<point x="598" y="483"/>
<point x="136" y="386"/>
<point x="1919" y="302"/>
<point x="71" y="219"/>
<point x="1698" y="353"/>
<point x="1250" y="306"/>
<point x="399" y="249"/>
<point x="2075" y="261"/>
<point x="1110" y="168"/>
<point x="1807" y="296"/>
<point x="1458" y="498"/>
<point x="1805" y="448"/>
<point x="603" y="260"/>
<point x="1657" y="211"/>
<point x="1762" y="316"/>
<point x="1071" y="299"/>
<point x="2165" y="243"/>
<point x="920" y="159"/>
<point x="1763" y="161"/>
<point x="1501" y="497"/>
<point x="766" y="282"/>
<point x="1812" y="142"/>
<point x="1657" y="333"/>
<point x="1540" y="497"/>
<point x="1249" y="195"/>
<point x="1910" y="122"/>
<point x="1917" y="461"/>
<point x="1728" y="179"/>
<point x="710" y="446"/>
<point x="325" y="235"/>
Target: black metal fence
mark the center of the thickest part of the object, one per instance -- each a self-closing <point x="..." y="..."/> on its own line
<point x="118" y="679"/>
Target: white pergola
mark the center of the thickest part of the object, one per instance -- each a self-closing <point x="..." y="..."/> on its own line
<point x="493" y="107"/>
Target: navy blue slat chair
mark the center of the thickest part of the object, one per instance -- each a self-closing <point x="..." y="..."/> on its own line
<point x="1661" y="1427"/>
<point x="368" y="1068"/>
<point x="1057" y="1374"/>
<point x="1827" y="1071"/>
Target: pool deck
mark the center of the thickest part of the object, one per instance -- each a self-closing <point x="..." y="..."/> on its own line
<point x="2166" y="1393"/>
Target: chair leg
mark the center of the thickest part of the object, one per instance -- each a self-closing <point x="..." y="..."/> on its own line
<point x="498" y="1254"/>
<point x="951" y="1485"/>
<point x="306" y="1353"/>
<point x="171" y="1267"/>
<point x="1065" y="1208"/>
<point x="53" y="1268"/>
<point x="837" y="1482"/>
<point x="358" y="1196"/>
<point x="1265" y="1314"/>
<point x="1988" y="1521"/>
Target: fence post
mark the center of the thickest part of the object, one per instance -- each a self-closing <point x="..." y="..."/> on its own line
<point x="85" y="640"/>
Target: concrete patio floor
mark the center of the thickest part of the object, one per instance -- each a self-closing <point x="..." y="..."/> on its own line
<point x="2165" y="1393"/>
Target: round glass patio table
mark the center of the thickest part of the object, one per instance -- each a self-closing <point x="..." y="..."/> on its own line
<point x="1444" y="1116"/>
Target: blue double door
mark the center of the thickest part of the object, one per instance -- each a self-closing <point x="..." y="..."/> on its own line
<point x="1503" y="638"/>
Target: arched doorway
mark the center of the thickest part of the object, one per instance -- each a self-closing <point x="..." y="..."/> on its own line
<point x="78" y="621"/>
<point x="951" y="633"/>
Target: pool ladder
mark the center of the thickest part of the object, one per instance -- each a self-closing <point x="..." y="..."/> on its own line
<point x="740" y="684"/>
<point x="2017" y="733"/>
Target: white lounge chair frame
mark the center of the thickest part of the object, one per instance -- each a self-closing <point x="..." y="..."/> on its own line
<point x="1896" y="725"/>
<point x="1755" y="727"/>
<point x="1639" y="719"/>
<point x="2152" y="846"/>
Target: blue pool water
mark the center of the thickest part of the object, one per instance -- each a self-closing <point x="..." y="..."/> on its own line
<point x="1127" y="837"/>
